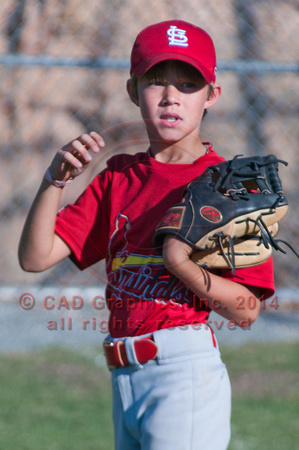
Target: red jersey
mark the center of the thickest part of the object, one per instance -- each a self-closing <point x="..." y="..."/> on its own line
<point x="115" y="218"/>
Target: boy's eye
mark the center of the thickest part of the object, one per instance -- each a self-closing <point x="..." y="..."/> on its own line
<point x="155" y="82"/>
<point x="180" y="84"/>
<point x="188" y="85"/>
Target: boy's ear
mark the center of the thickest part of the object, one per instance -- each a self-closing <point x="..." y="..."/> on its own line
<point x="132" y="93"/>
<point x="214" y="95"/>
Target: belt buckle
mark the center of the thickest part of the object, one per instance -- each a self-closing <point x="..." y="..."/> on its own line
<point x="117" y="353"/>
<point x="108" y="344"/>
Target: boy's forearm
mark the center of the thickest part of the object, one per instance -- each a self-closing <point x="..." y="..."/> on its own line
<point x="224" y="296"/>
<point x="38" y="236"/>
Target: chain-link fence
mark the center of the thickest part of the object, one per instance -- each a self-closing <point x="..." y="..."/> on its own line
<point x="64" y="66"/>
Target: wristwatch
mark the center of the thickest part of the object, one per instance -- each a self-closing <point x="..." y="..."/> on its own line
<point x="56" y="183"/>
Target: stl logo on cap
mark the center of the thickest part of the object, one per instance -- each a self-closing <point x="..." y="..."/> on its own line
<point x="177" y="36"/>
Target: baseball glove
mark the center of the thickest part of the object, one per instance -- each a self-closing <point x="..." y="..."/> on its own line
<point x="229" y="213"/>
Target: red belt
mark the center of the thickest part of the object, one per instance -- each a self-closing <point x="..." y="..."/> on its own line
<point x="116" y="354"/>
<point x="145" y="350"/>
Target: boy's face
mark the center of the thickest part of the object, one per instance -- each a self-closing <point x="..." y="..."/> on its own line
<point x="172" y="97"/>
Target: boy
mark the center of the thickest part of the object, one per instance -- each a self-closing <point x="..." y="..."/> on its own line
<point x="170" y="387"/>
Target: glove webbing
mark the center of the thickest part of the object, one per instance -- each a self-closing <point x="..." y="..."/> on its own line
<point x="225" y="181"/>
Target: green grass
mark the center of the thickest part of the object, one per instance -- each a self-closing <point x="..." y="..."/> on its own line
<point x="58" y="399"/>
<point x="265" y="405"/>
<point x="54" y="400"/>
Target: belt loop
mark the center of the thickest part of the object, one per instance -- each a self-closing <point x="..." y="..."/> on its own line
<point x="130" y="349"/>
<point x="213" y="338"/>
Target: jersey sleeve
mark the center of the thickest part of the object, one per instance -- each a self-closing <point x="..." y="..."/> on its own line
<point x="82" y="225"/>
<point x="261" y="276"/>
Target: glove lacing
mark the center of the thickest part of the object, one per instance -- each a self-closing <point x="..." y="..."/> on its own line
<point x="265" y="237"/>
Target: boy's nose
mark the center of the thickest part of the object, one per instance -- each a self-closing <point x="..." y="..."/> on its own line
<point x="171" y="95"/>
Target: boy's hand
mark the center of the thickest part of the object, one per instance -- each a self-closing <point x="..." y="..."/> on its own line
<point x="72" y="159"/>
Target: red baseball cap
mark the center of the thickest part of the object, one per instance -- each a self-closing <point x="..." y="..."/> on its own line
<point x="174" y="39"/>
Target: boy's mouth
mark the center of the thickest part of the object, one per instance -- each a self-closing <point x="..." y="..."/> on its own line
<point x="170" y="119"/>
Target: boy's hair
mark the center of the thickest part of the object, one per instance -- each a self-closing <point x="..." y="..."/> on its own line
<point x="156" y="73"/>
